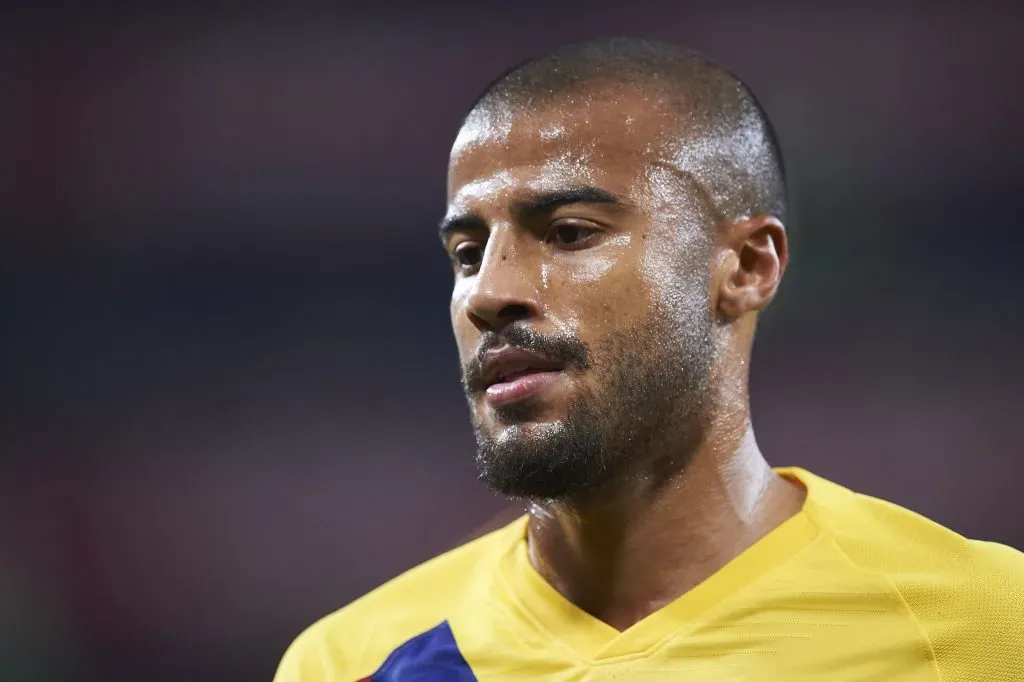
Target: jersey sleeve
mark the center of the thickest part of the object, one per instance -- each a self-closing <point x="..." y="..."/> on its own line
<point x="973" y="617"/>
<point x="290" y="667"/>
<point x="311" y="659"/>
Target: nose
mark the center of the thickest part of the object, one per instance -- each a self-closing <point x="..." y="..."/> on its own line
<point x="505" y="288"/>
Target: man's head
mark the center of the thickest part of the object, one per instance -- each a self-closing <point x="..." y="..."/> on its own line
<point x="614" y="222"/>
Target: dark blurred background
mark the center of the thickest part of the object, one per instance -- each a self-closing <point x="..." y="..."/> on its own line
<point x="230" y="395"/>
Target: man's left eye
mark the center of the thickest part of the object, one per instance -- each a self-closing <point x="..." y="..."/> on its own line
<point x="571" y="235"/>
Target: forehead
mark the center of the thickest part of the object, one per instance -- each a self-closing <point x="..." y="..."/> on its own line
<point x="609" y="138"/>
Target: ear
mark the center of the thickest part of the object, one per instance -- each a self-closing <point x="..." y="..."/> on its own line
<point x="753" y="256"/>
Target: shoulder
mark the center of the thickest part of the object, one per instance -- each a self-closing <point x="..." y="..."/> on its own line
<point x="878" y="535"/>
<point x="971" y="609"/>
<point x="354" y="640"/>
<point x="966" y="595"/>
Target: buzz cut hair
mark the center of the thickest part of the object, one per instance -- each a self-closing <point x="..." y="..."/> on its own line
<point x="730" y="148"/>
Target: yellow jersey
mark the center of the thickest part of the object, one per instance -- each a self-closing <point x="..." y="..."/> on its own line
<point x="851" y="588"/>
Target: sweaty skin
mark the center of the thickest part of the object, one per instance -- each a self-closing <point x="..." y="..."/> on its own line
<point x="590" y="268"/>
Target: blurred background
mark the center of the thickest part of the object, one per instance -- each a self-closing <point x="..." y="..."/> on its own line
<point x="230" y="397"/>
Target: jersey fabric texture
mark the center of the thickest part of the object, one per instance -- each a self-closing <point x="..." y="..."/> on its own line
<point x="851" y="588"/>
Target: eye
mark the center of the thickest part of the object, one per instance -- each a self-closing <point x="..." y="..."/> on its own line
<point x="571" y="234"/>
<point x="467" y="255"/>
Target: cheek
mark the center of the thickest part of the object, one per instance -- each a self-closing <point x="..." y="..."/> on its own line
<point x="462" y="328"/>
<point x="459" y="292"/>
<point x="582" y="273"/>
<point x="681" y="303"/>
<point x="598" y="293"/>
<point x="613" y="258"/>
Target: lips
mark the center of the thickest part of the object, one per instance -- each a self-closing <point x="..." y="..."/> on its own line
<point x="509" y="364"/>
<point x="511" y="375"/>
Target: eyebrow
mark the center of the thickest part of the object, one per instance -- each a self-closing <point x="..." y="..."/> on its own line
<point x="544" y="202"/>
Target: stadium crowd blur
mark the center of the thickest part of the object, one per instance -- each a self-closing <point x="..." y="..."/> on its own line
<point x="231" y="398"/>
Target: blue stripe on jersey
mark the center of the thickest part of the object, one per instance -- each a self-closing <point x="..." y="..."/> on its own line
<point x="431" y="656"/>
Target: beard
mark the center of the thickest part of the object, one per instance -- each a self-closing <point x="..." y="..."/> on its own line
<point x="644" y="418"/>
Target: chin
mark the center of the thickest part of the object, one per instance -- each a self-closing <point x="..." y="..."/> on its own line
<point x="526" y="435"/>
<point x="519" y="440"/>
<point x="540" y="460"/>
<point x="540" y="413"/>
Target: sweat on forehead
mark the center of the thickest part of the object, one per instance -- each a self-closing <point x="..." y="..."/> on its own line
<point x="574" y="124"/>
<point x="708" y="123"/>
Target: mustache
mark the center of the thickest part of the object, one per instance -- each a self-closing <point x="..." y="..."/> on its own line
<point x="565" y="349"/>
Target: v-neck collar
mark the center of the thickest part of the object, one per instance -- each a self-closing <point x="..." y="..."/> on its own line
<point x="594" y="640"/>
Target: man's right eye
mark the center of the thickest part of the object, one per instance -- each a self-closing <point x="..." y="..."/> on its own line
<point x="468" y="255"/>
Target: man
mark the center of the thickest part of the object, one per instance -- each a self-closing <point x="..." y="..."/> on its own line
<point x="615" y="226"/>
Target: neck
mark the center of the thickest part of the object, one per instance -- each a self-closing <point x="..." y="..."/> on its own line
<point x="644" y="544"/>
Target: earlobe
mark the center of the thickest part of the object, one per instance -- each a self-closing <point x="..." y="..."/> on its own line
<point x="754" y="258"/>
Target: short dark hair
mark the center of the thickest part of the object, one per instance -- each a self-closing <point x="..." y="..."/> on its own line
<point x="741" y="169"/>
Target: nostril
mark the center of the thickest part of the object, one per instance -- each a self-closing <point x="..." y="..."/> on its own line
<point x="479" y="322"/>
<point x="514" y="311"/>
<point x="491" y="310"/>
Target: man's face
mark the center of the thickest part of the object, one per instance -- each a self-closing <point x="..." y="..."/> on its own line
<point x="580" y="306"/>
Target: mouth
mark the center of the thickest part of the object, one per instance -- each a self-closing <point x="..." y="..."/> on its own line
<point x="512" y="375"/>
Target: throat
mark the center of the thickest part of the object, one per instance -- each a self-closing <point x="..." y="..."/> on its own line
<point x="626" y="558"/>
<point x="619" y="575"/>
<point x="612" y="594"/>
